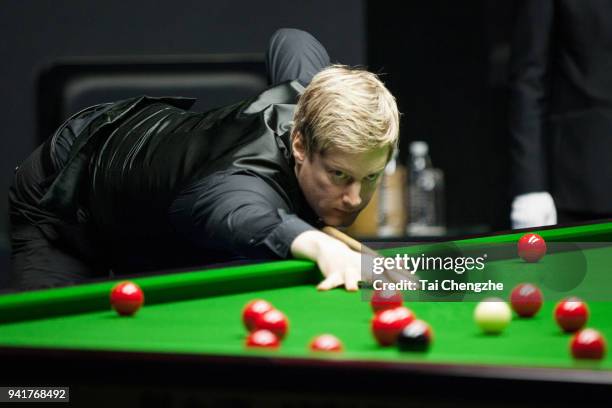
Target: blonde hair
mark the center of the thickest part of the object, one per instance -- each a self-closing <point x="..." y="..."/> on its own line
<point x="349" y="109"/>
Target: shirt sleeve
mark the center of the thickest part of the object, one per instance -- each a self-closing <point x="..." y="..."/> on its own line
<point x="239" y="213"/>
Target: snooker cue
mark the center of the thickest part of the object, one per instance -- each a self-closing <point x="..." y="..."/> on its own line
<point x="351" y="242"/>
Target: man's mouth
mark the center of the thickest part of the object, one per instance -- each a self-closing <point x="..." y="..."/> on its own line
<point x="345" y="212"/>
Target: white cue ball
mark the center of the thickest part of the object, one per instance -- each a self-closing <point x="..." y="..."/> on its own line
<point x="492" y="315"/>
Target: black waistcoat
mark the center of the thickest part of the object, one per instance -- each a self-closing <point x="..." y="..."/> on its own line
<point x="126" y="161"/>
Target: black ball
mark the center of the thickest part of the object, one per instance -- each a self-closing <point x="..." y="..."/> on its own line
<point x="415" y="337"/>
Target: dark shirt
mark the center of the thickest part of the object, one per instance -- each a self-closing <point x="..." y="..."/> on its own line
<point x="165" y="187"/>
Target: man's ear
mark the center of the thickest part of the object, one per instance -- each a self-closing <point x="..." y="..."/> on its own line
<point x="297" y="145"/>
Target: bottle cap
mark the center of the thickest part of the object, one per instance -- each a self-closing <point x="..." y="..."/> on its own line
<point x="419" y="148"/>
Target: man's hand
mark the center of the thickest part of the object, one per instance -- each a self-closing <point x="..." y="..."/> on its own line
<point x="339" y="264"/>
<point x="533" y="210"/>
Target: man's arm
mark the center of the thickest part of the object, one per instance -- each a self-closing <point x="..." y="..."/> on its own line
<point x="239" y="213"/>
<point x="242" y="214"/>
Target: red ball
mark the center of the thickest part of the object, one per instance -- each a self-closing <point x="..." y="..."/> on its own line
<point x="588" y="344"/>
<point x="126" y="298"/>
<point x="388" y="324"/>
<point x="275" y="321"/>
<point x="531" y="247"/>
<point x="263" y="339"/>
<point x="383" y="300"/>
<point x="253" y="310"/>
<point x="326" y="342"/>
<point x="571" y="314"/>
<point x="526" y="299"/>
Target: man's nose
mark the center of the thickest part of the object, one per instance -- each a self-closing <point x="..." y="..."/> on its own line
<point x="352" y="197"/>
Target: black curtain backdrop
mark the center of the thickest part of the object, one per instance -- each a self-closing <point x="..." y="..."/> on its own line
<point x="445" y="61"/>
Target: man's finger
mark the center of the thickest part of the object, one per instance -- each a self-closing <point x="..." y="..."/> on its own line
<point x="351" y="285"/>
<point x="332" y="281"/>
<point x="351" y="281"/>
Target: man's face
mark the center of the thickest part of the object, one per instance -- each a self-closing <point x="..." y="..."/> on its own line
<point x="338" y="185"/>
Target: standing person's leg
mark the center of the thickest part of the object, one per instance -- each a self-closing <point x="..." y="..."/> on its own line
<point x="294" y="54"/>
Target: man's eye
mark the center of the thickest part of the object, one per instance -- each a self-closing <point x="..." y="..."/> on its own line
<point x="373" y="177"/>
<point x="339" y="175"/>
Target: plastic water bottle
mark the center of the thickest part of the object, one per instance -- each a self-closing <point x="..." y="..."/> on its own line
<point x="425" y="194"/>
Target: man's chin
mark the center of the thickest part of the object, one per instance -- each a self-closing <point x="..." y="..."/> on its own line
<point x="336" y="221"/>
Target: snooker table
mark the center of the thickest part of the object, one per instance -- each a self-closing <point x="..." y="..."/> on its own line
<point x="185" y="347"/>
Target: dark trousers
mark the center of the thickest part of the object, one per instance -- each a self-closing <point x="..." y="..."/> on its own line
<point x="47" y="251"/>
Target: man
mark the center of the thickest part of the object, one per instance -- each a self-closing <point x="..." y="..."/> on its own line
<point x="144" y="184"/>
<point x="561" y="112"/>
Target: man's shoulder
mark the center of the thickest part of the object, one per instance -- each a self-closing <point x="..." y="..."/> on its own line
<point x="285" y="93"/>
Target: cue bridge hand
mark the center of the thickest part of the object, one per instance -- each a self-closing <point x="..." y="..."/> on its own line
<point x="339" y="265"/>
